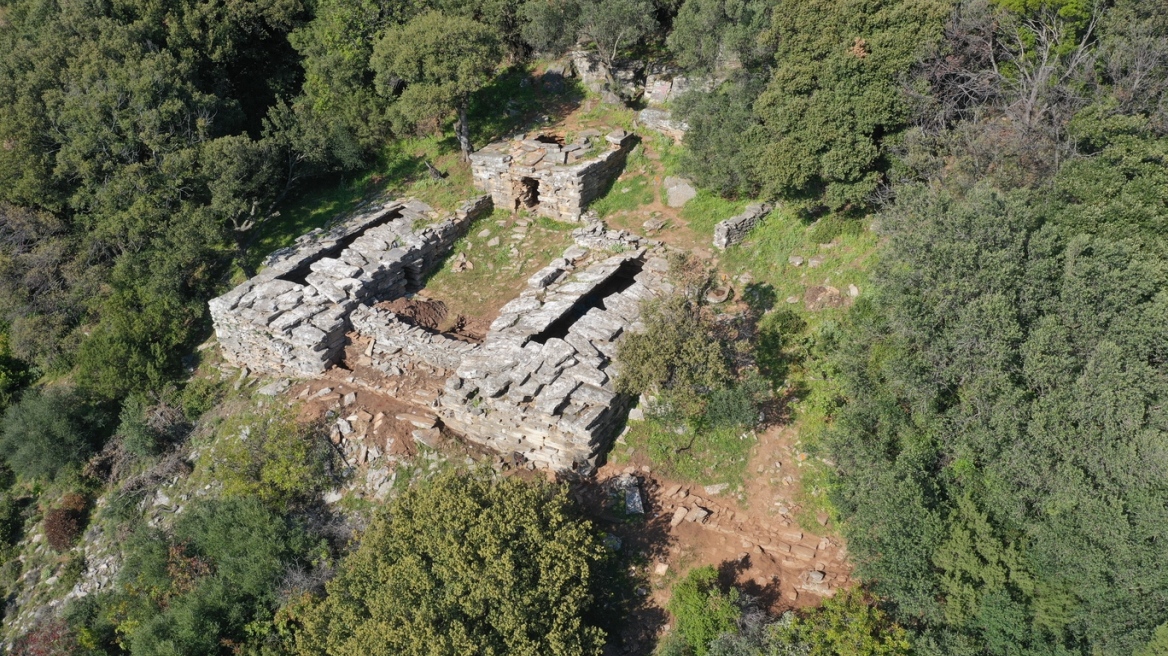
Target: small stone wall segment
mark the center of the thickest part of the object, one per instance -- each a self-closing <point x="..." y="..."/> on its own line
<point x="553" y="401"/>
<point x="292" y="317"/>
<point x="566" y="181"/>
<point x="734" y="230"/>
<point x="396" y="342"/>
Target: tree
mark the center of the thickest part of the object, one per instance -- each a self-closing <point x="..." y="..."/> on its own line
<point x="720" y="142"/>
<point x="1001" y="393"/>
<point x="708" y="34"/>
<point x="609" y="26"/>
<point x="465" y="565"/>
<point x="834" y="96"/>
<point x="442" y="60"/>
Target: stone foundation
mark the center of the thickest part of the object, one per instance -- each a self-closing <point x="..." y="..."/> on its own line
<point x="552" y="180"/>
<point x="734" y="230"/>
<point x="293" y="316"/>
<point x="541" y="384"/>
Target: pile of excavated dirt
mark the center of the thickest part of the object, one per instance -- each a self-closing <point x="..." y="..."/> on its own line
<point x="433" y="314"/>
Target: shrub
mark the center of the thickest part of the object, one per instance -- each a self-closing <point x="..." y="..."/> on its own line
<point x="702" y="610"/>
<point x="147" y="428"/>
<point x="49" y="638"/>
<point x="678" y="353"/>
<point x="271" y="456"/>
<point x="64" y="524"/>
<point x="465" y="565"/>
<point x="200" y="395"/>
<point x="48" y="431"/>
<point x="210" y="587"/>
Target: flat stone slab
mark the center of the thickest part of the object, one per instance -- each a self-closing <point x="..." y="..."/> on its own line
<point x="678" y="191"/>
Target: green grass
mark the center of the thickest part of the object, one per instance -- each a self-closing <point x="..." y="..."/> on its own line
<point x="626" y="194"/>
<point x="714" y="456"/>
<point x="400" y="171"/>
<point x="707" y="209"/>
<point x="497" y="277"/>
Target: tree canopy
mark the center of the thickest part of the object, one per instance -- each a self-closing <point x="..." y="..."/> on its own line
<point x="465" y="565"/>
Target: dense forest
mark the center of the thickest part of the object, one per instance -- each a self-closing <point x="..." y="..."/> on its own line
<point x="996" y="422"/>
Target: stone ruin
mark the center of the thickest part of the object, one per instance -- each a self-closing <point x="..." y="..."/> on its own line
<point x="292" y="318"/>
<point x="541" y="384"/>
<point x="734" y="229"/>
<point x="548" y="177"/>
<point x="538" y="388"/>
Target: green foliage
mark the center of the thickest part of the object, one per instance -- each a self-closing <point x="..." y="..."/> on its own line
<point x="48" y="431"/>
<point x="1001" y="390"/>
<point x="1158" y="645"/>
<point x="720" y="144"/>
<point x="844" y="624"/>
<point x="609" y="26"/>
<point x="835" y="94"/>
<point x="205" y="589"/>
<point x="678" y="354"/>
<point x="465" y="565"/>
<point x="200" y="395"/>
<point x="442" y="60"/>
<point x="702" y="610"/>
<point x="710" y="33"/>
<point x="269" y="456"/>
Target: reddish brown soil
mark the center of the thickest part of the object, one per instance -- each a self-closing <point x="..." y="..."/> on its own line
<point x="433" y="314"/>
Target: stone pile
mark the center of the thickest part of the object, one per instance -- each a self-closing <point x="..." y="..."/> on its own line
<point x="595" y="236"/>
<point x="293" y="316"/>
<point x="734" y="230"/>
<point x="551" y="179"/>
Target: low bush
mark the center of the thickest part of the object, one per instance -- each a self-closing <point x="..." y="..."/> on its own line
<point x="703" y="611"/>
<point x="270" y="456"/>
<point x="47" y="431"/>
<point x="48" y="638"/>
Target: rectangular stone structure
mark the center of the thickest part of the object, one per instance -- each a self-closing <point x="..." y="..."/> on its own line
<point x="552" y="180"/>
<point x="292" y="317"/>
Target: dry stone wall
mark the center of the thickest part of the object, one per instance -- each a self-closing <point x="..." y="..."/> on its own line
<point x="553" y="180"/>
<point x="397" y="343"/>
<point x="734" y="230"/>
<point x="293" y="316"/>
<point x="541" y="384"/>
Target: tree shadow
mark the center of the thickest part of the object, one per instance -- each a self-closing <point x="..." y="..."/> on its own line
<point x="626" y="613"/>
<point x="520" y="100"/>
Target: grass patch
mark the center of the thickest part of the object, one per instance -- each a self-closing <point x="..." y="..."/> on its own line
<point x="713" y="456"/>
<point x="497" y="276"/>
<point x="707" y="209"/>
<point x="400" y="171"/>
<point x="625" y="195"/>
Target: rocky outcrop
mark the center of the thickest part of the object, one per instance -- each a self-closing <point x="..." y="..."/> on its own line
<point x="734" y="230"/>
<point x="292" y="317"/>
<point x="549" y="178"/>
<point x="661" y="120"/>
